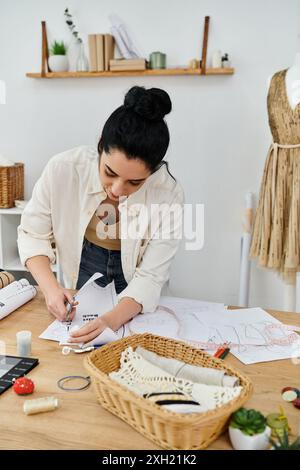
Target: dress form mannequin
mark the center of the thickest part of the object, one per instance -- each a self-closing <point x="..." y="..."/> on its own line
<point x="292" y="85"/>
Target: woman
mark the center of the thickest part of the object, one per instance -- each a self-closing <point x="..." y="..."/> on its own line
<point x="106" y="212"/>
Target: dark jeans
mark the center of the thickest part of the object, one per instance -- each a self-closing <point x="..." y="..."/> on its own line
<point x="95" y="259"/>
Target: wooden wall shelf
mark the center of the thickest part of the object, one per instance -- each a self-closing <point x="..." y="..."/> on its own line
<point x="131" y="73"/>
<point x="204" y="70"/>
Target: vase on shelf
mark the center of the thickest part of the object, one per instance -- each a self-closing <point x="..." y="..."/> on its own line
<point x="82" y="64"/>
<point x="58" y="63"/>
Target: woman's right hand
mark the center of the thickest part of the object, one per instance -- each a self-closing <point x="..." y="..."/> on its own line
<point x="57" y="299"/>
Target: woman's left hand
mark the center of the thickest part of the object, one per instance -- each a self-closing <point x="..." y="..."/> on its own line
<point x="88" y="332"/>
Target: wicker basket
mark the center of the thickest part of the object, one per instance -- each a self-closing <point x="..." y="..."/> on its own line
<point x="167" y="429"/>
<point x="11" y="184"/>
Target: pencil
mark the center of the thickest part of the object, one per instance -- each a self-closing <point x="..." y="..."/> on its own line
<point x="219" y="352"/>
<point x="224" y="354"/>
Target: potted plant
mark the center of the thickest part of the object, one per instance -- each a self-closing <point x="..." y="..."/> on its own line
<point x="248" y="430"/>
<point x="58" y="61"/>
<point x="284" y="444"/>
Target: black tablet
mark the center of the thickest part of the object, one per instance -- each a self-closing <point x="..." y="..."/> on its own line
<point x="12" y="367"/>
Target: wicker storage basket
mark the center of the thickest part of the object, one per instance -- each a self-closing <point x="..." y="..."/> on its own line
<point x="11" y="184"/>
<point x="167" y="429"/>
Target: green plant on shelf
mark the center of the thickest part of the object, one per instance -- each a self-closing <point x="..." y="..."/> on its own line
<point x="250" y="422"/>
<point x="284" y="444"/>
<point x="58" y="48"/>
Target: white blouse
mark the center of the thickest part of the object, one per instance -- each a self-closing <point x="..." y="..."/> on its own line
<point x="63" y="201"/>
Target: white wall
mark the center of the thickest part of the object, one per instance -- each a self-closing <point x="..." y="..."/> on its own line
<point x="219" y="128"/>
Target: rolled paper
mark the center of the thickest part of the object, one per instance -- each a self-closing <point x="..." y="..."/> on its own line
<point x="14" y="296"/>
<point x="12" y="288"/>
<point x="40" y="405"/>
<point x="230" y="381"/>
<point x="5" y="279"/>
<point x="196" y="374"/>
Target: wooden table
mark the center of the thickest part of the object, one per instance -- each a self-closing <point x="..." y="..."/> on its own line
<point x="80" y="422"/>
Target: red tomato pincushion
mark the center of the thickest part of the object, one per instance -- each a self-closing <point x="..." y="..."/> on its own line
<point x="23" y="386"/>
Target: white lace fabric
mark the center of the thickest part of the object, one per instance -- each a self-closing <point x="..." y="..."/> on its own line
<point x="141" y="377"/>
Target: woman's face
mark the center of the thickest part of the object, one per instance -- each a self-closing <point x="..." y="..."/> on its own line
<point x="121" y="176"/>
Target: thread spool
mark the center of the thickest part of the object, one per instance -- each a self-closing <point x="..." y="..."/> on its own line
<point x="40" y="405"/>
<point x="23" y="343"/>
<point x="5" y="279"/>
<point x="194" y="64"/>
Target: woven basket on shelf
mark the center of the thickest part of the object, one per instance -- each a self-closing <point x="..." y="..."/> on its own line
<point x="167" y="429"/>
<point x="11" y="184"/>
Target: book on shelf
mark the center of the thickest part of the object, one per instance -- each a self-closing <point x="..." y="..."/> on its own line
<point x="96" y="52"/>
<point x="127" y="69"/>
<point x="109" y="47"/>
<point x="124" y="62"/>
<point x="92" y="53"/>
<point x="100" y="52"/>
<point x="120" y="65"/>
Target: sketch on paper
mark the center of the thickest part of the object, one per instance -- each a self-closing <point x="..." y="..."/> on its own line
<point x="253" y="334"/>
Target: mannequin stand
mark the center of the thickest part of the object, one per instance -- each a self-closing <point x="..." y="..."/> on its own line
<point x="289" y="301"/>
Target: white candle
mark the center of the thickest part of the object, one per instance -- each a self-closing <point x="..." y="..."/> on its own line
<point x="217" y="59"/>
<point x="23" y="343"/>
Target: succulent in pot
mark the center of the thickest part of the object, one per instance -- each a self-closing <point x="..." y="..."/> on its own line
<point x="58" y="60"/>
<point x="248" y="430"/>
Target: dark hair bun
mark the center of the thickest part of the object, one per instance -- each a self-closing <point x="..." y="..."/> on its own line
<point x="152" y="104"/>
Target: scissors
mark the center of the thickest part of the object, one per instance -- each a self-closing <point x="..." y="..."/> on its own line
<point x="69" y="309"/>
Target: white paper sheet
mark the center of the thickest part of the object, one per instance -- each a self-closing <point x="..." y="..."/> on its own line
<point x="123" y="38"/>
<point x="107" y="336"/>
<point x="178" y="318"/>
<point x="248" y="330"/>
<point x="240" y="326"/>
<point x="94" y="301"/>
<point x="255" y="354"/>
